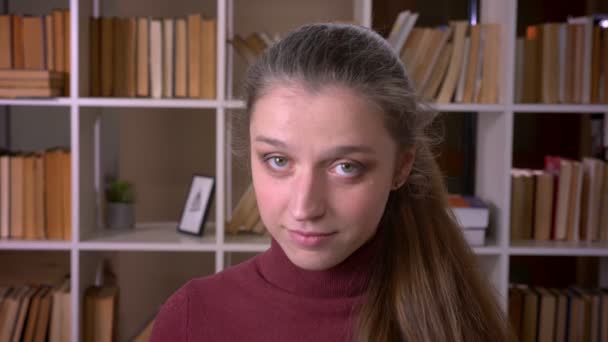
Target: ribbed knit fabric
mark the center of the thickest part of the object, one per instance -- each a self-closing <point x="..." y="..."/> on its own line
<point x="268" y="298"/>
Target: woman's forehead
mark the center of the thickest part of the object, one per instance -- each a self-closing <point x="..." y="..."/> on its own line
<point x="334" y="116"/>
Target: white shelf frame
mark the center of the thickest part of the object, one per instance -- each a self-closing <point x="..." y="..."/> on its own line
<point x="493" y="155"/>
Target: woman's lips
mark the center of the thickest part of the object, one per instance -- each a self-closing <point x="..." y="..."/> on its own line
<point x="309" y="239"/>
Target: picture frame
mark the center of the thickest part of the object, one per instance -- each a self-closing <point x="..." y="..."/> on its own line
<point x="196" y="206"/>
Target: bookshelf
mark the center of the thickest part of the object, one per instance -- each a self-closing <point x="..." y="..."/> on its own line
<point x="156" y="243"/>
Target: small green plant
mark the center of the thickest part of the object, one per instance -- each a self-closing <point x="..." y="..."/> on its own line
<point x="120" y="191"/>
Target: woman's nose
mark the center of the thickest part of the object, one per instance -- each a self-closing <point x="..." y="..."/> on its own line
<point x="308" y="199"/>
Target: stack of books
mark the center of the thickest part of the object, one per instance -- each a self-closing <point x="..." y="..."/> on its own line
<point x="35" y="54"/>
<point x="473" y="216"/>
<point x="31" y="83"/>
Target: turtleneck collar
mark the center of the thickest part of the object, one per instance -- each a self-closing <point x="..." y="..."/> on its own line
<point x="347" y="279"/>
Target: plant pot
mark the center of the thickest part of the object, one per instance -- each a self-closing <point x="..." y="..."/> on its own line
<point x="120" y="215"/>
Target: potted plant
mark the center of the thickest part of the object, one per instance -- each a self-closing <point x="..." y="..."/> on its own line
<point x="120" y="197"/>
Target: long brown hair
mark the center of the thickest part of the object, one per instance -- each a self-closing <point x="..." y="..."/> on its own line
<point x="426" y="286"/>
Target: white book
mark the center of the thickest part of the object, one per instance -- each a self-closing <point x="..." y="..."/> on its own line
<point x="156" y="62"/>
<point x="168" y="49"/>
<point x="475" y="236"/>
<point x="479" y="66"/>
<point x="463" y="71"/>
<point x="405" y="31"/>
<point x="397" y="27"/>
<point x="472" y="217"/>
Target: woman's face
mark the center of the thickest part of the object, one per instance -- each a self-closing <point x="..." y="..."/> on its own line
<point x="323" y="166"/>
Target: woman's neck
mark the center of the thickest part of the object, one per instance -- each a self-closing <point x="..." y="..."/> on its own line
<point x="347" y="279"/>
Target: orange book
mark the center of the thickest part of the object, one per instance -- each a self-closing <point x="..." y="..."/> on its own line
<point x="39" y="212"/>
<point x="194" y="55"/>
<point x="16" y="204"/>
<point x="66" y="53"/>
<point x="130" y="42"/>
<point x="490" y="76"/>
<point x="143" y="58"/>
<point x="29" y="198"/>
<point x="49" y="43"/>
<point x="532" y="65"/>
<point x="181" y="58"/>
<point x="33" y="46"/>
<point x="6" y="41"/>
<point x="66" y="193"/>
<point x="53" y="205"/>
<point x="208" y="57"/>
<point x="18" y="43"/>
<point x="59" y="40"/>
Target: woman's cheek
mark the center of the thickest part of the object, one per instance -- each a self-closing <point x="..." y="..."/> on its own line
<point x="269" y="198"/>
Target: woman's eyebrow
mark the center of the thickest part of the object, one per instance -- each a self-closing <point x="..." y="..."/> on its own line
<point x="334" y="151"/>
<point x="349" y="149"/>
<point x="271" y="141"/>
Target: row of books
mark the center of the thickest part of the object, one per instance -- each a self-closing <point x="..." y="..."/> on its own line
<point x="35" y="313"/>
<point x="153" y="57"/>
<point x="455" y="63"/>
<point x="547" y="314"/>
<point x="564" y="62"/>
<point x="246" y="216"/>
<point x="568" y="200"/>
<point x="35" y="195"/>
<point x="40" y="43"/>
<point x="473" y="216"/>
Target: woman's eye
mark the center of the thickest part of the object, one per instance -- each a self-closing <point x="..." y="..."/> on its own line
<point x="277" y="162"/>
<point x="348" y="169"/>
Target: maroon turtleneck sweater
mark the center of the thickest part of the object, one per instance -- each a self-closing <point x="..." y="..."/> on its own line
<point x="268" y="298"/>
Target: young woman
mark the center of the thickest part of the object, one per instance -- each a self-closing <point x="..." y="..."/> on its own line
<point x="363" y="245"/>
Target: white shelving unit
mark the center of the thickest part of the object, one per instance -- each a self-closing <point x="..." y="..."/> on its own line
<point x="155" y="242"/>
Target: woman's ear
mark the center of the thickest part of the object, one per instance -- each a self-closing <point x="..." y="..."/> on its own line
<point x="403" y="167"/>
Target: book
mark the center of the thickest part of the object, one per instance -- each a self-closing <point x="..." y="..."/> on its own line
<point x="470" y="211"/>
<point x="6" y="41"/>
<point x="208" y="58"/>
<point x="455" y="66"/>
<point x="181" y="58"/>
<point x="156" y="58"/>
<point x="143" y="57"/>
<point x="100" y="313"/>
<point x="107" y="57"/>
<point x="168" y="48"/>
<point x="194" y="55"/>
